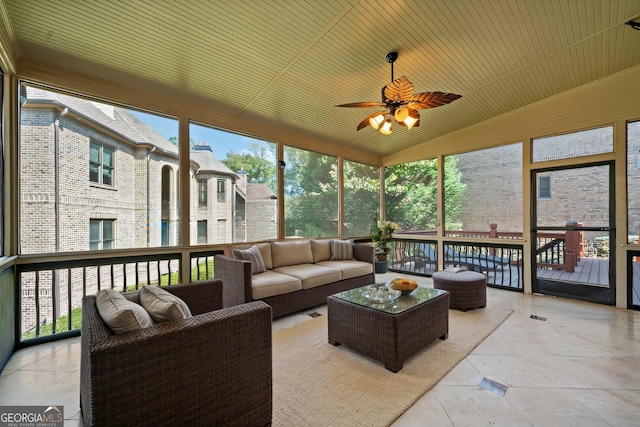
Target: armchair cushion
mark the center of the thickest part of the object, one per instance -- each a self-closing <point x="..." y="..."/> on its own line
<point x="163" y="306"/>
<point x="120" y="314"/>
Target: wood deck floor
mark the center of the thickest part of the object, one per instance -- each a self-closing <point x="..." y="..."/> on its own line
<point x="592" y="271"/>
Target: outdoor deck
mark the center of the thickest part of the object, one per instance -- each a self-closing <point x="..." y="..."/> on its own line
<point x="593" y="271"/>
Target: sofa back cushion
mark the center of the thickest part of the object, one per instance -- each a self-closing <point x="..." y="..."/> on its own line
<point x="254" y="255"/>
<point x="291" y="253"/>
<point x="120" y="314"/>
<point x="265" y="250"/>
<point x="321" y="250"/>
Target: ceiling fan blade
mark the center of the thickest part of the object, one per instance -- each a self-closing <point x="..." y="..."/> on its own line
<point x="363" y="124"/>
<point x="399" y="90"/>
<point x="369" y="104"/>
<point x="431" y="99"/>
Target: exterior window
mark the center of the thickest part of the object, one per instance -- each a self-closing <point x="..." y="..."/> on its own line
<point x="361" y="198"/>
<point x="221" y="190"/>
<point x="241" y="175"/>
<point x="311" y="194"/>
<point x="202" y="232"/>
<point x="101" y="234"/>
<point x="147" y="201"/>
<point x="572" y="145"/>
<point x="101" y="164"/>
<point x="544" y="187"/>
<point x="202" y="193"/>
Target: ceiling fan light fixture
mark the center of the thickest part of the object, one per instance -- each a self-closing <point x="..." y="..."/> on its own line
<point x="401" y="114"/>
<point x="376" y="121"/>
<point x="401" y="102"/>
<point x="386" y="128"/>
<point x="410" y="122"/>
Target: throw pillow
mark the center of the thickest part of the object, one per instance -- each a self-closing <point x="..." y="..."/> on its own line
<point x="162" y="305"/>
<point x="120" y="314"/>
<point x="252" y="254"/>
<point x="341" y="250"/>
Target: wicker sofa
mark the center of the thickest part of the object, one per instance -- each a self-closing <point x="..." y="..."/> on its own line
<point x="298" y="274"/>
<point x="210" y="369"/>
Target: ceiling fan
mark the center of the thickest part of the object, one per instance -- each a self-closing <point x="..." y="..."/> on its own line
<point x="400" y="102"/>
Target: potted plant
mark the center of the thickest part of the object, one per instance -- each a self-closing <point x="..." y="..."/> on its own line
<point x="381" y="235"/>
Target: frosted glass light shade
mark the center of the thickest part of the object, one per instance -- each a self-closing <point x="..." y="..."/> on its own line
<point x="386" y="127"/>
<point x="401" y="114"/>
<point x="410" y="121"/>
<point x="376" y="121"/>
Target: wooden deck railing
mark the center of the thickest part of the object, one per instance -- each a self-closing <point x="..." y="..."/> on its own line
<point x="502" y="263"/>
<point x="558" y="251"/>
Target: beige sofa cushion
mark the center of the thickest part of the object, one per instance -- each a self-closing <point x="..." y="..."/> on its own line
<point x="321" y="250"/>
<point x="291" y="253"/>
<point x="162" y="305"/>
<point x="120" y="314"/>
<point x="271" y="283"/>
<point x="311" y="275"/>
<point x="265" y="250"/>
<point x="349" y="268"/>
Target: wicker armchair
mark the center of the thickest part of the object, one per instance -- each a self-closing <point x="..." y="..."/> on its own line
<point x="211" y="369"/>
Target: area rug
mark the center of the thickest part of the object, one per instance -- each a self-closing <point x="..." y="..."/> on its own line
<point x="318" y="384"/>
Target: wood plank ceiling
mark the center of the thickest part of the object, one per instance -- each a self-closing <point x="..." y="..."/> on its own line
<point x="288" y="63"/>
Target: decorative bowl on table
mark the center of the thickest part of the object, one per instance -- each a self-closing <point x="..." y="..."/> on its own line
<point x="404" y="285"/>
<point x="381" y="293"/>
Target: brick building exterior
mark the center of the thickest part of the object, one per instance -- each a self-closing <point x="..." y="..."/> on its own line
<point x="59" y="199"/>
<point x="93" y="176"/>
<point x="493" y="179"/>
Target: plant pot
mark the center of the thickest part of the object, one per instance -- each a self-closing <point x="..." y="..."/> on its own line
<point x="381" y="266"/>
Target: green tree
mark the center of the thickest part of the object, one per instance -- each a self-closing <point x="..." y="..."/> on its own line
<point x="259" y="164"/>
<point x="411" y="191"/>
<point x="453" y="193"/>
<point x="311" y="194"/>
<point x="361" y="197"/>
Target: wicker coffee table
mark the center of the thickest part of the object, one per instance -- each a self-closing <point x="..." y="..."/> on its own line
<point x="391" y="332"/>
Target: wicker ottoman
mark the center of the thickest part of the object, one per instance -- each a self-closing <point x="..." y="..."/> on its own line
<point x="467" y="289"/>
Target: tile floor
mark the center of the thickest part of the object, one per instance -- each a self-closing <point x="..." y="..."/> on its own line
<point x="579" y="367"/>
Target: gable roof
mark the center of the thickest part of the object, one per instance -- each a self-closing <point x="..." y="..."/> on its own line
<point x="127" y="126"/>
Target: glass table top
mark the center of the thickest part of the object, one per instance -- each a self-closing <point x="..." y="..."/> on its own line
<point x="368" y="296"/>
